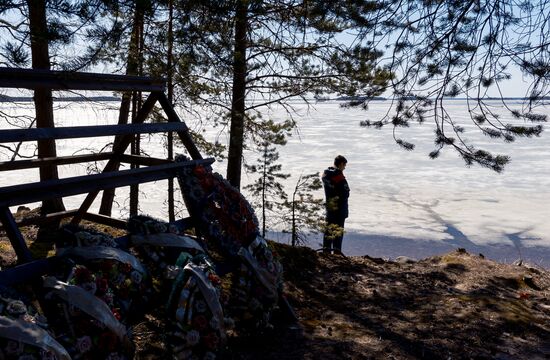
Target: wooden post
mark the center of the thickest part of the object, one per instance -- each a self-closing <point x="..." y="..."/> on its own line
<point x="118" y="149"/>
<point x="15" y="236"/>
<point x="184" y="136"/>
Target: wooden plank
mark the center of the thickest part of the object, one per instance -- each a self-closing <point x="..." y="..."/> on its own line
<point x="143" y="160"/>
<point x="65" y="80"/>
<point x="44" y="219"/>
<point x="15" y="236"/>
<point x="106" y="220"/>
<point x="101" y="219"/>
<point x="74" y="132"/>
<point x="183" y="134"/>
<point x="61" y="160"/>
<point x="38" y="191"/>
<point x="119" y="147"/>
<point x="185" y="223"/>
<point x="28" y="272"/>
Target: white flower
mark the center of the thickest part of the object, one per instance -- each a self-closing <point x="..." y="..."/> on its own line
<point x="84" y="344"/>
<point x="209" y="356"/>
<point x="27" y="318"/>
<point x="214" y="323"/>
<point x="200" y="306"/>
<point x="192" y="337"/>
<point x="16" y="308"/>
<point x="136" y="276"/>
<point x="90" y="287"/>
<point x="47" y="355"/>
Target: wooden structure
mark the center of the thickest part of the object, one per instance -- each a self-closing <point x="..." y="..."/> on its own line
<point x="110" y="177"/>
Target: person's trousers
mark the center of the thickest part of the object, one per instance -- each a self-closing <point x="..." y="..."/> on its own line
<point x="334" y="234"/>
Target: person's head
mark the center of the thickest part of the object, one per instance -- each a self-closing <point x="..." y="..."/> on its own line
<point x="340" y="162"/>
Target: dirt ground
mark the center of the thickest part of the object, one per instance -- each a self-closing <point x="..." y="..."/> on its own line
<point x="453" y="306"/>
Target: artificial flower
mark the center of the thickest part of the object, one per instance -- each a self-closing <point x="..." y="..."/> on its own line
<point x="14" y="347"/>
<point x="200" y="306"/>
<point x="16" y="308"/>
<point x="209" y="356"/>
<point x="200" y="322"/>
<point x="211" y="340"/>
<point x="192" y="337"/>
<point x="84" y="344"/>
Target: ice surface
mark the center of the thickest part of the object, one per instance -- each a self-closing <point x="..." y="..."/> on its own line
<point x="402" y="203"/>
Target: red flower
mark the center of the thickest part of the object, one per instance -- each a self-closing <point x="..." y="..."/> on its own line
<point x="116" y="314"/>
<point x="107" y="342"/>
<point x="107" y="265"/>
<point x="102" y="285"/>
<point x="211" y="341"/>
<point x="214" y="279"/>
<point x="82" y="274"/>
<point x="126" y="267"/>
<point x="199" y="170"/>
<point x="200" y="322"/>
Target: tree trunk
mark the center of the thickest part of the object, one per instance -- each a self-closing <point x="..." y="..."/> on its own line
<point x="294" y="229"/>
<point x="170" y="85"/>
<point x="264" y="185"/>
<point x="236" y="137"/>
<point x="136" y="105"/>
<point x="124" y="112"/>
<point x="43" y="102"/>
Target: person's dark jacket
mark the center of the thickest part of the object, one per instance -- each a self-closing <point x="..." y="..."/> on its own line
<point x="336" y="193"/>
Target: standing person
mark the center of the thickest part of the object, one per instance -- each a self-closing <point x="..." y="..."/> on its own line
<point x="337" y="194"/>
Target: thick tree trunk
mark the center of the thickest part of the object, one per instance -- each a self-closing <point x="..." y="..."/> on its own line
<point x="236" y="137"/>
<point x="43" y="102"/>
<point x="264" y="185"/>
<point x="124" y="112"/>
<point x="136" y="105"/>
<point x="170" y="75"/>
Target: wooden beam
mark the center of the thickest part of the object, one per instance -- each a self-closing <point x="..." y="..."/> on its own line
<point x="67" y="80"/>
<point x="49" y="189"/>
<point x="44" y="219"/>
<point x="106" y="220"/>
<point x="119" y="148"/>
<point x="28" y="272"/>
<point x="74" y="132"/>
<point x="143" y="160"/>
<point x="61" y="160"/>
<point x="16" y="238"/>
<point x="183" y="134"/>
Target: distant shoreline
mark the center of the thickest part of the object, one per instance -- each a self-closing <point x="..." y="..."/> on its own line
<point x="6" y="98"/>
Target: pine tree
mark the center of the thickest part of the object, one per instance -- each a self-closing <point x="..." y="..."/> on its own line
<point x="268" y="52"/>
<point x="267" y="190"/>
<point x="305" y="211"/>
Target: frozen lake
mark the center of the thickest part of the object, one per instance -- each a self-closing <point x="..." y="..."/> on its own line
<point x="402" y="203"/>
